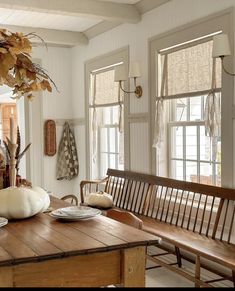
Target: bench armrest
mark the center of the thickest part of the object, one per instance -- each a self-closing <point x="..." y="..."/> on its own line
<point x="91" y="182"/>
<point x="71" y="197"/>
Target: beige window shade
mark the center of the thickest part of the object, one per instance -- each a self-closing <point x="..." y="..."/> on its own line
<point x="190" y="69"/>
<point x="106" y="90"/>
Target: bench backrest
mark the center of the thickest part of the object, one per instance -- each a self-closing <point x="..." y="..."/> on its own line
<point x="205" y="209"/>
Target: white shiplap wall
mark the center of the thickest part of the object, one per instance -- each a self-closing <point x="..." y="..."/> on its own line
<point x="139" y="143"/>
<point x="56" y="105"/>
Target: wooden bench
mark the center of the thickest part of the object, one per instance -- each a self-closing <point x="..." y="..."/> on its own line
<point x="196" y="220"/>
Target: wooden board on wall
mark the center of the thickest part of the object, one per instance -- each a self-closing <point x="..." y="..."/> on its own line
<point x="50" y="138"/>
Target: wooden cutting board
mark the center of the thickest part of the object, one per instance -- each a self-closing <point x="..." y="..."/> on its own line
<point x="50" y="138"/>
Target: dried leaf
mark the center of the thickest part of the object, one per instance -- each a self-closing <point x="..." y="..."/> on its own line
<point x="17" y="69"/>
<point x="7" y="62"/>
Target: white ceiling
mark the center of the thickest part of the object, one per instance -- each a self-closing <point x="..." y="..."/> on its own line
<point x="46" y="20"/>
<point x="70" y="22"/>
<point x="52" y="21"/>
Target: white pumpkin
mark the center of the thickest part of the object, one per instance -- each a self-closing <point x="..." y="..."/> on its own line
<point x="100" y="199"/>
<point x="23" y="202"/>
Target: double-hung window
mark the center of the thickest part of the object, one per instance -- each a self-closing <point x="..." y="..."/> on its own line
<point x="189" y="77"/>
<point x="106" y="123"/>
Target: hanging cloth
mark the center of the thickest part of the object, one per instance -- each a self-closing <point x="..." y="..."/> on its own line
<point x="67" y="159"/>
<point x="159" y="128"/>
<point x="213" y="112"/>
<point x="212" y="109"/>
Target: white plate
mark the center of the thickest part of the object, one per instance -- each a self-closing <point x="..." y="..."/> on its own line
<point x="3" y="221"/>
<point x="75" y="213"/>
<point x="80" y="211"/>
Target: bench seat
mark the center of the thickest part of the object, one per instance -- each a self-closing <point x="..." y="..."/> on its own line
<point x="212" y="249"/>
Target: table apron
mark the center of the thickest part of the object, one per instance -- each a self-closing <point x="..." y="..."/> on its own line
<point x="125" y="267"/>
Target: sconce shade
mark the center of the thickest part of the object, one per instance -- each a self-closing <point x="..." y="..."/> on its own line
<point x="221" y="46"/>
<point x="134" y="71"/>
<point x="120" y="74"/>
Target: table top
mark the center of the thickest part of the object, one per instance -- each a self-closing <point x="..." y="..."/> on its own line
<point x="42" y="237"/>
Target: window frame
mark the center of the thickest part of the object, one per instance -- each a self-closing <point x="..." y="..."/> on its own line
<point x="114" y="126"/>
<point x="185" y="124"/>
<point x="222" y="21"/>
<point x="99" y="64"/>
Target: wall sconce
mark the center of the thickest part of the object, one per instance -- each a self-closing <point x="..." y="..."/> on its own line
<point x="221" y="49"/>
<point x="134" y="72"/>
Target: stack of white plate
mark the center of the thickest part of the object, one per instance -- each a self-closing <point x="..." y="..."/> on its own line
<point x="75" y="213"/>
<point x="3" y="221"/>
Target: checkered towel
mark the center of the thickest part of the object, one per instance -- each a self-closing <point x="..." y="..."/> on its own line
<point x="67" y="159"/>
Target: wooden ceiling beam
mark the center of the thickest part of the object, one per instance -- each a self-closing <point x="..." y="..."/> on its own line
<point x="51" y="36"/>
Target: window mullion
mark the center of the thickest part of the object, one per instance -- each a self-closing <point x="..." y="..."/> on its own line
<point x="108" y="146"/>
<point x="198" y="154"/>
<point x="116" y="147"/>
<point x="184" y="152"/>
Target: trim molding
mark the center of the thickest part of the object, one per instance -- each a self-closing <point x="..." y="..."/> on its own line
<point x="73" y="122"/>
<point x="100" y="28"/>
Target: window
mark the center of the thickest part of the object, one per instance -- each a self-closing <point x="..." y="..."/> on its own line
<point x="106" y="118"/>
<point x="193" y="156"/>
<point x="187" y="77"/>
<point x="110" y="141"/>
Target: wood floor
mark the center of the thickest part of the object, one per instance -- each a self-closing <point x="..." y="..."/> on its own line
<point x="164" y="278"/>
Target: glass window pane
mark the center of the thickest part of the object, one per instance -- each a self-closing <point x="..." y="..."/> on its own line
<point x="206" y="174"/>
<point x="181" y="110"/>
<point x="103" y="164"/>
<point x="177" y="170"/>
<point x="112" y="161"/>
<point x="191" y="171"/>
<point x="177" y="142"/>
<point x="106" y="115"/>
<point x="218" y="175"/>
<point x="191" y="142"/>
<point x="196" y="108"/>
<point x="103" y="140"/>
<point x="112" y="140"/>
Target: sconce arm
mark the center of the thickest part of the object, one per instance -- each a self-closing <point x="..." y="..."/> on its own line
<point x="223" y="66"/>
<point x="138" y="89"/>
<point x="128" y="92"/>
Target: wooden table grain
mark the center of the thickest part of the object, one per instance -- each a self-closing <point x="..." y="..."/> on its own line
<point x="44" y="252"/>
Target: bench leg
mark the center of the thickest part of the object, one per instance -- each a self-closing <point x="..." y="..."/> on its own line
<point x="233" y="276"/>
<point x="197" y="271"/>
<point x="178" y="256"/>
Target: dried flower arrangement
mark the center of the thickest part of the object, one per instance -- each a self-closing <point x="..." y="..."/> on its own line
<point x="17" y="69"/>
<point x="18" y="72"/>
<point x="18" y="155"/>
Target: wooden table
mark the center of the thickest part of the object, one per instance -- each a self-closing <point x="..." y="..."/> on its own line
<point x="44" y="252"/>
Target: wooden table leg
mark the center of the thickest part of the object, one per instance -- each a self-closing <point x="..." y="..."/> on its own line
<point x="6" y="277"/>
<point x="133" y="267"/>
<point x="197" y="271"/>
